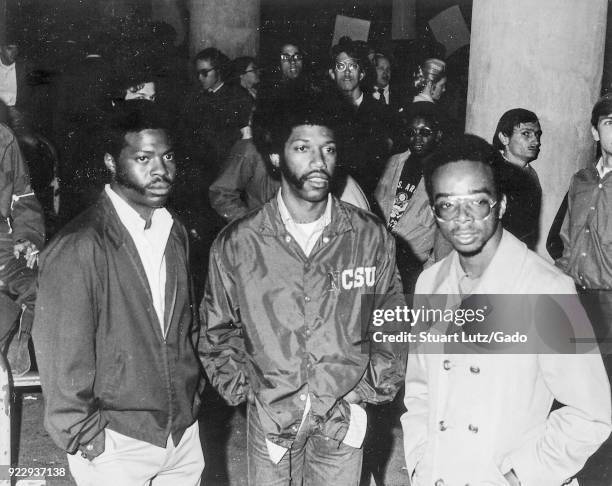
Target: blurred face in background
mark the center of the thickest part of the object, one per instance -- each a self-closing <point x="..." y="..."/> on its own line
<point x="142" y="91"/>
<point x="347" y="73"/>
<point x="208" y="76"/>
<point x="438" y="89"/>
<point x="291" y="61"/>
<point x="383" y="72"/>
<point x="9" y="53"/>
<point x="422" y="136"/>
<point x="250" y="78"/>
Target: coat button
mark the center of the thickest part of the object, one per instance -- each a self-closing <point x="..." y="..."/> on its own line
<point x="442" y="426"/>
<point x="288" y="239"/>
<point x="475" y="369"/>
<point x="308" y="332"/>
<point x="307" y="299"/>
<point x="325" y="239"/>
<point x="439" y="482"/>
<point x="446" y="364"/>
<point x="303" y="397"/>
<point x="473" y="428"/>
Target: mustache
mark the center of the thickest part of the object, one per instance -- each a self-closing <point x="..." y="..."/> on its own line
<point x="163" y="178"/>
<point x="319" y="173"/>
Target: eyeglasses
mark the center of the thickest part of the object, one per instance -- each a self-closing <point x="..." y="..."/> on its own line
<point x="478" y="208"/>
<point x="423" y="132"/>
<point x="291" y="57"/>
<point x="204" y="72"/>
<point x="343" y="65"/>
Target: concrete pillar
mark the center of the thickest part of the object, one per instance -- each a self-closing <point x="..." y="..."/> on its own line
<point x="547" y="57"/>
<point x="403" y="19"/>
<point x="606" y="79"/>
<point x="3" y="21"/>
<point x="231" y="26"/>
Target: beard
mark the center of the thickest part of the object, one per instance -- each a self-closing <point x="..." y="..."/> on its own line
<point x="124" y="179"/>
<point x="299" y="181"/>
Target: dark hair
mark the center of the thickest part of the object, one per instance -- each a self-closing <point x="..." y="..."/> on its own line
<point x="509" y="121"/>
<point x="378" y="56"/>
<point x="218" y="61"/>
<point x="463" y="147"/>
<point x="240" y="64"/>
<point x="128" y="74"/>
<point x="603" y="107"/>
<point x="133" y="116"/>
<point x="352" y="49"/>
<point x="274" y="119"/>
<point x="420" y="109"/>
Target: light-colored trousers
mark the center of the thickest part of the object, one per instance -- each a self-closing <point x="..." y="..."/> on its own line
<point x="131" y="462"/>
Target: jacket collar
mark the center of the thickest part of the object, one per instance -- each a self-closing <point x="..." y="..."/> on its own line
<point x="272" y="223"/>
<point x="105" y="212"/>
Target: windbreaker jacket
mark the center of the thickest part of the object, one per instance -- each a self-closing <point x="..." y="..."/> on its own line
<point x="472" y="417"/>
<point x="287" y="326"/>
<point x="587" y="230"/>
<point x="102" y="357"/>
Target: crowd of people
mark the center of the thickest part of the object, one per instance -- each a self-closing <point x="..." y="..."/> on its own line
<point x="242" y="231"/>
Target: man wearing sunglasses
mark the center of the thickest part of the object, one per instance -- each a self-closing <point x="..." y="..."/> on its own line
<point x="486" y="418"/>
<point x="400" y="193"/>
<point x="368" y="122"/>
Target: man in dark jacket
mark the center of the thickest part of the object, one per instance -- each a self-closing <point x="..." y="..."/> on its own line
<point x="369" y="124"/>
<point x="22" y="234"/>
<point x="114" y="330"/>
<point x="289" y="288"/>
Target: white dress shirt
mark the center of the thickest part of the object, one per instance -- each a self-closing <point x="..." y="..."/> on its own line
<point x="151" y="246"/>
<point x="8" y="84"/>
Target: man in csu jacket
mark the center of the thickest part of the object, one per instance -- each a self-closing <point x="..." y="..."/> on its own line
<point x="114" y="328"/>
<point x="289" y="286"/>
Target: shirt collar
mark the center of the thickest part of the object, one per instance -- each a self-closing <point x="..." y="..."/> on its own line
<point x="601" y="170"/>
<point x="423" y="97"/>
<point x="216" y="89"/>
<point x="130" y="217"/>
<point x="359" y="100"/>
<point x="10" y="67"/>
<point x="286" y="215"/>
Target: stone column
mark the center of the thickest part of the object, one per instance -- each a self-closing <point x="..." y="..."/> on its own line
<point x="403" y="19"/>
<point x="3" y="21"/>
<point x="545" y="56"/>
<point x="229" y="25"/>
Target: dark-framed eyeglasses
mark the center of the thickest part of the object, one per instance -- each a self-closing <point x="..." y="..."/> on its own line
<point x="478" y="208"/>
<point x="423" y="132"/>
<point x="348" y="64"/>
<point x="297" y="57"/>
<point x="205" y="72"/>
